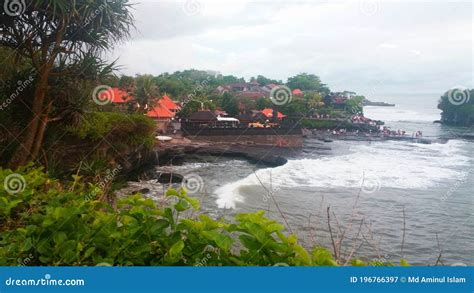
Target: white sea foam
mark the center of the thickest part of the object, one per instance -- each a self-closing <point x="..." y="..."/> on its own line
<point x="383" y="164"/>
<point x="397" y="113"/>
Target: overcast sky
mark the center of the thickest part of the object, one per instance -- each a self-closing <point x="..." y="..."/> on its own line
<point x="371" y="47"/>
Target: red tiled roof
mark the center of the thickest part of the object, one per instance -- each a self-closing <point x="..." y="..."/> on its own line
<point x="160" y="111"/>
<point x="269" y="113"/>
<point x="168" y="103"/>
<point x="297" y="92"/>
<point x="118" y="96"/>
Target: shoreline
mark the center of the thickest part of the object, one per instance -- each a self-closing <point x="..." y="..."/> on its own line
<point x="328" y="137"/>
<point x="180" y="149"/>
<point x="176" y="153"/>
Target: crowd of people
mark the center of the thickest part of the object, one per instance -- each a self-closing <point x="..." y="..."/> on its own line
<point x="383" y="132"/>
<point x="374" y="130"/>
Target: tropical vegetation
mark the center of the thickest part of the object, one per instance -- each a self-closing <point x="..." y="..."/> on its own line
<point x="53" y="62"/>
<point x="458" y="107"/>
<point x="48" y="222"/>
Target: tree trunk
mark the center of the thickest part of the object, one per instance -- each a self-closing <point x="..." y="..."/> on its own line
<point x="24" y="150"/>
<point x="40" y="133"/>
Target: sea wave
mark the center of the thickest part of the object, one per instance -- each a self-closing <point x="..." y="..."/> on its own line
<point x="379" y="165"/>
<point x="399" y="114"/>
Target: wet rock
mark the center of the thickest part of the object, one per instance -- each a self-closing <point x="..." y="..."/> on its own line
<point x="168" y="177"/>
<point x="143" y="190"/>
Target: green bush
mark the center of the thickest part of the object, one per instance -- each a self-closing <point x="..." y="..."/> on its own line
<point x="120" y="128"/>
<point x="458" y="107"/>
<point x="49" y="223"/>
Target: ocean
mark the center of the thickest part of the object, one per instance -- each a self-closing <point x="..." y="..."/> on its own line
<point x="393" y="199"/>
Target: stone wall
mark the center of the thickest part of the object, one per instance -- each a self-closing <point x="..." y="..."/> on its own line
<point x="270" y="140"/>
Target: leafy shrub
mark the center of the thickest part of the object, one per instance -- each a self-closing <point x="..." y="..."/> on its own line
<point x="458" y="107"/>
<point x="119" y="128"/>
<point x="49" y="223"/>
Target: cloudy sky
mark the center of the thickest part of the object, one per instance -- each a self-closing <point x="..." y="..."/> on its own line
<point x="373" y="47"/>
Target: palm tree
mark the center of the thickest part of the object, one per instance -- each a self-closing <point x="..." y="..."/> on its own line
<point x="43" y="32"/>
<point x="146" y="91"/>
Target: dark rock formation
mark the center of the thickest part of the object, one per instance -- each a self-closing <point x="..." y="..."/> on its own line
<point x="379" y="104"/>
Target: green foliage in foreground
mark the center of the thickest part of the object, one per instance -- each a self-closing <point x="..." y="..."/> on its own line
<point x="49" y="223"/>
<point x="118" y="128"/>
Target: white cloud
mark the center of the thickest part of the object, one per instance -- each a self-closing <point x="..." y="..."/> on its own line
<point x="402" y="47"/>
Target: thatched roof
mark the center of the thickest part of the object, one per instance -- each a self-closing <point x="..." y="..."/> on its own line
<point x="202" y="116"/>
<point x="245" y="118"/>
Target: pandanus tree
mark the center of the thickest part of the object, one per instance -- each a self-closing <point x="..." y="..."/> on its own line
<point x="48" y="32"/>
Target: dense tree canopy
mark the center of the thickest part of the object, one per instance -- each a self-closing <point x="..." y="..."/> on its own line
<point x="458" y="107"/>
<point x="54" y="36"/>
<point x="262" y="80"/>
<point x="307" y="82"/>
